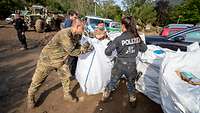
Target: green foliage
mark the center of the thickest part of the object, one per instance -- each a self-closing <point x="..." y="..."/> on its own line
<point x="187" y="12"/>
<point x="54" y="5"/>
<point x="144" y="14"/>
<point x="162" y="13"/>
<point x="9" y="6"/>
<point x="162" y="9"/>
<point x="108" y="9"/>
<point x="142" y="10"/>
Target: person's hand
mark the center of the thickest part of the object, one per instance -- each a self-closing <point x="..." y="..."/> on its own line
<point x="90" y="48"/>
<point x="101" y="36"/>
<point x="106" y="37"/>
<point x="87" y="47"/>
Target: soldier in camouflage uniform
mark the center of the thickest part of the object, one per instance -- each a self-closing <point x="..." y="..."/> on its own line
<point x="63" y="44"/>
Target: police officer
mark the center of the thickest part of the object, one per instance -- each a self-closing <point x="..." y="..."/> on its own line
<point x="52" y="57"/>
<point x="20" y="27"/>
<point x="127" y="45"/>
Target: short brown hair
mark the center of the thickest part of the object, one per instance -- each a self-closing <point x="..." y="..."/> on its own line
<point x="72" y="13"/>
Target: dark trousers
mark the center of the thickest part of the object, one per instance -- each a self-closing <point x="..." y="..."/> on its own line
<point x="72" y="61"/>
<point x="22" y="38"/>
<point x="123" y="68"/>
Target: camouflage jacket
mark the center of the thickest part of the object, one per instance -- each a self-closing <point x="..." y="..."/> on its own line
<point x="63" y="44"/>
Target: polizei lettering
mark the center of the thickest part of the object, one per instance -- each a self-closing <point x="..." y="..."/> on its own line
<point x="130" y="41"/>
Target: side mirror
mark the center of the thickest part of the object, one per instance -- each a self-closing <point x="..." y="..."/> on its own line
<point x="179" y="39"/>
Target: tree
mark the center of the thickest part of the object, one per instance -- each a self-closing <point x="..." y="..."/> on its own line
<point x="142" y="10"/>
<point x="108" y="9"/>
<point x="9" y="6"/>
<point x="162" y="9"/>
<point x="187" y="12"/>
<point x="144" y="14"/>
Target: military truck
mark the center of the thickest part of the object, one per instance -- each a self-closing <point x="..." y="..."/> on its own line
<point x="39" y="19"/>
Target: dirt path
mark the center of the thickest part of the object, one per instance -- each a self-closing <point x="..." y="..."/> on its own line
<point x="16" y="70"/>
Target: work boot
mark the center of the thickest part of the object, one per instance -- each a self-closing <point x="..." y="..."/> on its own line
<point x="30" y="101"/>
<point x="23" y="48"/>
<point x="106" y="95"/>
<point x="68" y="97"/>
<point x="132" y="100"/>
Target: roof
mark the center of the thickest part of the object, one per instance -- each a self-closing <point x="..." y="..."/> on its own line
<point x="99" y="18"/>
<point x="38" y="6"/>
<point x="107" y="19"/>
<point x="180" y="25"/>
<point x="94" y="17"/>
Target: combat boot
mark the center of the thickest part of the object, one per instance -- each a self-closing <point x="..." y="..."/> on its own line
<point x="132" y="100"/>
<point x="31" y="101"/>
<point x="106" y="95"/>
<point x="68" y="97"/>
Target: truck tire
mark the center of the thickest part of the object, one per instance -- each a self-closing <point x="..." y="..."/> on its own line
<point x="39" y="26"/>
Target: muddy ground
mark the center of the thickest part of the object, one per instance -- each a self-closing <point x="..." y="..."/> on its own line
<point x="16" y="70"/>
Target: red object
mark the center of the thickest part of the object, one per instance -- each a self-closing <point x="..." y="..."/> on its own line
<point x="169" y="31"/>
<point x="165" y="32"/>
<point x="173" y="28"/>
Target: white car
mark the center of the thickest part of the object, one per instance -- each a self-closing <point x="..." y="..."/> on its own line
<point x="10" y="19"/>
<point x="93" y="21"/>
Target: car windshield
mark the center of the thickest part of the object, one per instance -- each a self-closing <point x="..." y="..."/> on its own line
<point x="189" y="35"/>
<point x="25" y="12"/>
<point x="11" y="16"/>
<point x="115" y="25"/>
<point x="107" y="23"/>
<point x="94" y="22"/>
<point x="192" y="36"/>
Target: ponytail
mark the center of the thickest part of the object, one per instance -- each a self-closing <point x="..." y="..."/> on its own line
<point x="130" y="25"/>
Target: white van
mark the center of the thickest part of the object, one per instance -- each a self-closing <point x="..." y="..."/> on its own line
<point x="10" y="19"/>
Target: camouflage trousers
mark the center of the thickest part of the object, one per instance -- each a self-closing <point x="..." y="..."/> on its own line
<point x="42" y="71"/>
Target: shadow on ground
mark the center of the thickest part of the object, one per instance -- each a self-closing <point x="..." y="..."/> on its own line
<point x="14" y="81"/>
<point x="118" y="103"/>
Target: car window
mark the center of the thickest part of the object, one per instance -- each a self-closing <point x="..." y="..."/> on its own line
<point x="28" y="13"/>
<point x="193" y="36"/>
<point x="172" y="32"/>
<point x="115" y="25"/>
<point x="107" y="24"/>
<point x="94" y="22"/>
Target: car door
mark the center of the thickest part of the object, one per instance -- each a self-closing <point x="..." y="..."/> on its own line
<point x="167" y="43"/>
<point x="173" y="45"/>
